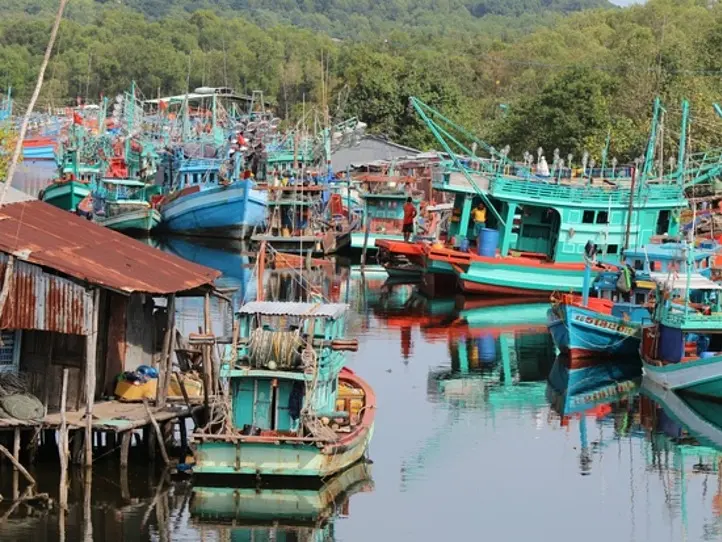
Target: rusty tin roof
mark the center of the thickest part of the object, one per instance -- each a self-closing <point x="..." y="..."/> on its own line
<point x="39" y="233"/>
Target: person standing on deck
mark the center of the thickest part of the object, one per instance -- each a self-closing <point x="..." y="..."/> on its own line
<point x="479" y="216"/>
<point x="409" y="215"/>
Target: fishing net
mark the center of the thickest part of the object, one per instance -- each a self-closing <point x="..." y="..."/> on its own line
<point x="12" y="383"/>
<point x="275" y="349"/>
<point x="22" y="407"/>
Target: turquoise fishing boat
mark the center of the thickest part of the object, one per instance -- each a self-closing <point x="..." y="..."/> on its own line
<point x="294" y="409"/>
<point x="124" y="205"/>
<point x="539" y="217"/>
<point x="682" y="349"/>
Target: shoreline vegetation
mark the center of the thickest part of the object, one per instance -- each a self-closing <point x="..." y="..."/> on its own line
<point x="564" y="74"/>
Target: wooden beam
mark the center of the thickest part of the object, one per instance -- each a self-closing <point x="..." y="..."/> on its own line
<point x="17" y="465"/>
<point x="91" y="358"/>
<point x="125" y="449"/>
<point x="207" y="360"/>
<point x="164" y="365"/>
<point x="7" y="282"/>
<point x="16" y="455"/>
<point x="63" y="448"/>
<point x="158" y="433"/>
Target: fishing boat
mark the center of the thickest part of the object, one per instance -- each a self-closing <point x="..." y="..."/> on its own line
<point x="539" y="218"/>
<point x="298" y="221"/>
<point x="607" y="325"/>
<point x="39" y="148"/>
<point x="210" y="197"/>
<point x="682" y="349"/>
<point x="295" y="409"/>
<point x="383" y="197"/>
<point x="124" y="205"/>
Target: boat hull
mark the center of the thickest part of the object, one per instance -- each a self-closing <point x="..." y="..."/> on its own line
<point x="283" y="456"/>
<point x="136" y="221"/>
<point x="274" y="459"/>
<point x="588" y="336"/>
<point x="702" y="377"/>
<point x="65" y="195"/>
<point x="231" y="211"/>
<point x="505" y="276"/>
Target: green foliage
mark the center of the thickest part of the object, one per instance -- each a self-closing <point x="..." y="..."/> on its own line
<point x="547" y="77"/>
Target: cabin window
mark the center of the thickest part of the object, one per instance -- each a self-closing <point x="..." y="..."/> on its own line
<point x="588" y="217"/>
<point x="195" y="178"/>
<point x="662" y="222"/>
<point x="638" y="265"/>
<point x="7" y="348"/>
<point x="602" y="217"/>
<point x="654" y="266"/>
<point x="612" y="249"/>
<point x="640" y="298"/>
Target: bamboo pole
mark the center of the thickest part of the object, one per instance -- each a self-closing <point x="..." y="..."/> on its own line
<point x="366" y="242"/>
<point x="158" y="433"/>
<point x="91" y="349"/>
<point x="63" y="448"/>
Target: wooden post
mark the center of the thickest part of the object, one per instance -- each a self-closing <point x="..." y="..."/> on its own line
<point x="125" y="448"/>
<point x="261" y="271"/>
<point x="164" y="365"/>
<point x="158" y="433"/>
<point x="91" y="349"/>
<point x="366" y="242"/>
<point x="16" y="455"/>
<point x="63" y="448"/>
<point x="87" y="506"/>
<point x="207" y="361"/>
<point x="183" y="439"/>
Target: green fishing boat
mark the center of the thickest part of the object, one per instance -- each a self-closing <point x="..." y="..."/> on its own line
<point x="124" y="205"/>
<point x="294" y="409"/>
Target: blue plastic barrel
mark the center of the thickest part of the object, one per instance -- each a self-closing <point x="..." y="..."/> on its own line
<point x="464" y="245"/>
<point x="487" y="242"/>
<point x="487" y="348"/>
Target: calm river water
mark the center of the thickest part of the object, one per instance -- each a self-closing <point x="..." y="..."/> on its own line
<point x="471" y="442"/>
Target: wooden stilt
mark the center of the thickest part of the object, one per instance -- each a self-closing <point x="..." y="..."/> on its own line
<point x="207" y="361"/>
<point x="158" y="433"/>
<point x="183" y="439"/>
<point x="16" y="455"/>
<point x="17" y="465"/>
<point x="63" y="449"/>
<point x="164" y="366"/>
<point x="87" y="505"/>
<point x="124" y="486"/>
<point x="91" y="347"/>
<point x="125" y="448"/>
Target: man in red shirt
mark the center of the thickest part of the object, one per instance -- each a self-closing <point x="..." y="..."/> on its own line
<point x="409" y="215"/>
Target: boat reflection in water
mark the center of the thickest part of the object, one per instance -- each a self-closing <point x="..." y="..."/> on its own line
<point x="281" y="515"/>
<point x="606" y="393"/>
<point x="686" y="439"/>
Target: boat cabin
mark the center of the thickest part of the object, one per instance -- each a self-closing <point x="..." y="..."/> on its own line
<point x="552" y="217"/>
<point x="688" y="318"/>
<point x="288" y="362"/>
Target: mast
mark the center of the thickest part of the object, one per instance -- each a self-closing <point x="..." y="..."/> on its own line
<point x="683" y="140"/>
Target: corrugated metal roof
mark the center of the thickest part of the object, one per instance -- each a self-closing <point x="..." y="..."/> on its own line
<point x="696" y="282"/>
<point x="280" y="308"/>
<point x="39" y="233"/>
<point x="43" y="301"/>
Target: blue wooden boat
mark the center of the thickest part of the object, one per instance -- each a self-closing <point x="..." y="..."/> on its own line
<point x="682" y="349"/>
<point x="207" y="199"/>
<point x="608" y="325"/>
<point x="294" y="409"/>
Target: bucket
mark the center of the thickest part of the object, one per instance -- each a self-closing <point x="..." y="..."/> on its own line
<point x="464" y="245"/>
<point x="487" y="242"/>
<point x="487" y="348"/>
